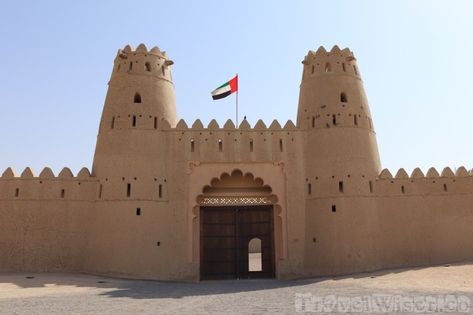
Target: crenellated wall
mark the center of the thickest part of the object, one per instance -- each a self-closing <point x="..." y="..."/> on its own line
<point x="390" y="221"/>
<point x="44" y="219"/>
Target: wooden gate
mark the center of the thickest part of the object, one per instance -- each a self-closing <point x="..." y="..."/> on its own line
<point x="224" y="237"/>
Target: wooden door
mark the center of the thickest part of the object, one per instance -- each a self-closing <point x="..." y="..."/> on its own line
<point x="255" y="222"/>
<point x="225" y="234"/>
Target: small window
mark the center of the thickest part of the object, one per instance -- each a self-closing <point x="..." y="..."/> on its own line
<point x="445" y="187"/>
<point x="133" y="123"/>
<point x="100" y="191"/>
<point x="255" y="259"/>
<point x="328" y="67"/>
<point x="251" y="145"/>
<point x="334" y="119"/>
<point x="155" y="122"/>
<point x="371" y="186"/>
<point x="343" y="67"/>
<point x="313" y="122"/>
<point x="148" y="66"/>
<point x="192" y="145"/>
<point x="355" y="120"/>
<point x="309" y="189"/>
<point x="160" y="191"/>
<point x="403" y="190"/>
<point x="130" y="67"/>
<point x="356" y="70"/>
<point x="137" y="98"/>
<point x="17" y="192"/>
<point x="280" y="145"/>
<point x="340" y="186"/>
<point x="313" y="68"/>
<point x="138" y="211"/>
<point x="113" y="122"/>
<point x="343" y="97"/>
<point x="220" y="145"/>
<point x="163" y="70"/>
<point x="128" y="190"/>
<point x="334" y="208"/>
<point x="63" y="193"/>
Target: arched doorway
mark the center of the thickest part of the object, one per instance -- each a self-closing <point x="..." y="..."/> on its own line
<point x="235" y="210"/>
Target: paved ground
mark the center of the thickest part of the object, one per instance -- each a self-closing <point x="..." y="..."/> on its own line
<point x="441" y="289"/>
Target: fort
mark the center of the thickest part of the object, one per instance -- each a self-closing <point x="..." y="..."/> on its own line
<point x="169" y="200"/>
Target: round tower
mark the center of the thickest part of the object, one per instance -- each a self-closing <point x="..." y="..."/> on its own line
<point x="334" y="110"/>
<point x="140" y="95"/>
<point x="341" y="165"/>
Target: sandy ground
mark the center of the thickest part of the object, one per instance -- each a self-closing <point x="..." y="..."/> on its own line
<point x="86" y="294"/>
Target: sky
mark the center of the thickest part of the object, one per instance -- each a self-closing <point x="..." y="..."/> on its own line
<point x="415" y="58"/>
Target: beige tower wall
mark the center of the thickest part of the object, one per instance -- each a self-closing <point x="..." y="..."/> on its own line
<point x="341" y="159"/>
<point x="140" y="95"/>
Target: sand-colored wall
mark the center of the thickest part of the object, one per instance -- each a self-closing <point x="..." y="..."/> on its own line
<point x="44" y="220"/>
<point x="101" y="233"/>
<point x="145" y="159"/>
<point x="387" y="228"/>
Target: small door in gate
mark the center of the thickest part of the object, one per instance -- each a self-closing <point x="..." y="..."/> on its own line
<point x="225" y="236"/>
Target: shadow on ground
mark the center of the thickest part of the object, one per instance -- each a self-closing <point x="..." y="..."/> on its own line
<point x="149" y="289"/>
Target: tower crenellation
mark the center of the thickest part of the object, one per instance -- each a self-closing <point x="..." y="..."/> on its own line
<point x="335" y="61"/>
<point x="140" y="61"/>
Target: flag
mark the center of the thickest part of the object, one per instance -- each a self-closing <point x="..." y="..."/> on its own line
<point x="226" y="89"/>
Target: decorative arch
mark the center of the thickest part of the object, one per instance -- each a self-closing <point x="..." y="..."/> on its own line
<point x="237" y="184"/>
<point x="236" y="188"/>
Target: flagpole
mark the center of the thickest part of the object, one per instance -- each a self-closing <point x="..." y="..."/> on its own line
<point x="237" y="105"/>
<point x="237" y="109"/>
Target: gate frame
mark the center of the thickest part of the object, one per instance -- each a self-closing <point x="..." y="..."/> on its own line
<point x="272" y="174"/>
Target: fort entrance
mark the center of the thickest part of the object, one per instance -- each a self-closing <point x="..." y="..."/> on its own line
<point x="236" y="229"/>
<point x="227" y="235"/>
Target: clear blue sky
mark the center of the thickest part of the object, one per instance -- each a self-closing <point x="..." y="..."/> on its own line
<point x="415" y="58"/>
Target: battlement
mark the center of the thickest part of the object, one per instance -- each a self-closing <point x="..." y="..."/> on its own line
<point x="148" y="122"/>
<point x="330" y="62"/>
<point x="143" y="50"/>
<point x="47" y="173"/>
<point x="143" y="61"/>
<point x="431" y="173"/>
<point x="229" y="125"/>
<point x="47" y="186"/>
<point x="432" y="183"/>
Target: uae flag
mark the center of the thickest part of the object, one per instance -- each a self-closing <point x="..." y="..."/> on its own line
<point x="226" y="89"/>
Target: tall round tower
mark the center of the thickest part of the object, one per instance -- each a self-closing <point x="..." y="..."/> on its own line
<point x="132" y="163"/>
<point x="140" y="95"/>
<point x="333" y="108"/>
<point x="341" y="164"/>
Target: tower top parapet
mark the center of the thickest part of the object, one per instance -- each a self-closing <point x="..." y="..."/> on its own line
<point x="334" y="61"/>
<point x="142" y="61"/>
<point x="141" y="49"/>
<point x="335" y="53"/>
